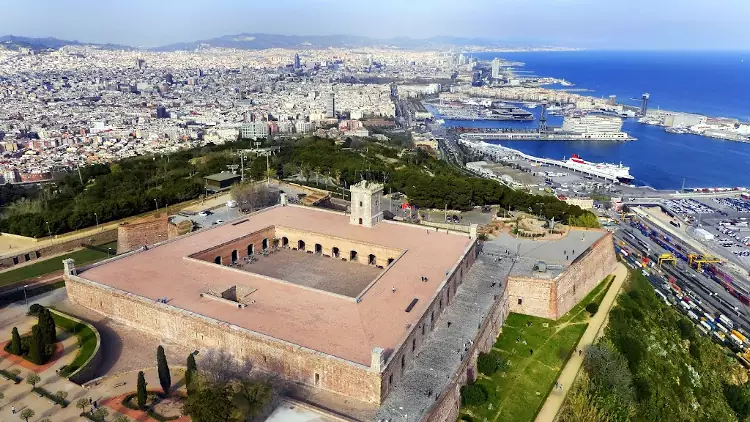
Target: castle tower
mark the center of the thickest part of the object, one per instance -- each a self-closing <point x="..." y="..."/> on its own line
<point x="366" y="204"/>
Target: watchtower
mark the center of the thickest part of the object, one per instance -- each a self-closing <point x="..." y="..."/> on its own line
<point x="365" y="209"/>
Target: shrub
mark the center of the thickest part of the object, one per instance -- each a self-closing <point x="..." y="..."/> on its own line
<point x="489" y="363"/>
<point x="466" y="418"/>
<point x="592" y="308"/>
<point x="473" y="395"/>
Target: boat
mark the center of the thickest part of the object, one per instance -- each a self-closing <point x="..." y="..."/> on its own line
<point x="595" y="128"/>
<point x="531" y="106"/>
<point x="605" y="170"/>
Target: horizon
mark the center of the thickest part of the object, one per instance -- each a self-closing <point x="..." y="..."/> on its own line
<point x="587" y="24"/>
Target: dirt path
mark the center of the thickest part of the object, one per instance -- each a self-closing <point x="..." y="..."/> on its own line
<point x="554" y="401"/>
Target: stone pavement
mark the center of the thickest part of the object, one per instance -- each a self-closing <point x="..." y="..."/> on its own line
<point x="554" y="401"/>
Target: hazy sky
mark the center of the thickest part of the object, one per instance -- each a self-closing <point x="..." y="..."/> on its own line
<point x="637" y="24"/>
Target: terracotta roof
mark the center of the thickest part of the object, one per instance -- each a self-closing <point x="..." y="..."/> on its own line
<point x="313" y="319"/>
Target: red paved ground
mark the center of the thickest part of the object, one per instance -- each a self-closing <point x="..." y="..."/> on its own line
<point x="18" y="360"/>
<point x="115" y="404"/>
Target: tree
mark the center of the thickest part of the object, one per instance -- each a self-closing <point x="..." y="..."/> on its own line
<point x="83" y="403"/>
<point x="99" y="414"/>
<point x="15" y="343"/>
<point x="61" y="396"/>
<point x="190" y="372"/>
<point x="592" y="308"/>
<point x="209" y="403"/>
<point x="473" y="395"/>
<point x="220" y="367"/>
<point x="165" y="379"/>
<point x="141" y="391"/>
<point x="27" y="414"/>
<point x="33" y="379"/>
<point x="36" y="346"/>
<point x="250" y="398"/>
<point x="121" y="418"/>
<point x="47" y="326"/>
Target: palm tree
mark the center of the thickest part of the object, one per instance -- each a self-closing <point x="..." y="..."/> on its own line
<point x="337" y="176"/>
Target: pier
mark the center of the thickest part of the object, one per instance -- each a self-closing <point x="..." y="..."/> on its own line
<point x="536" y="135"/>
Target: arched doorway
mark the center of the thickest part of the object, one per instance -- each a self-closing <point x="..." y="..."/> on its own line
<point x="371" y="259"/>
<point x="264" y="244"/>
<point x="301" y="245"/>
<point x="318" y="248"/>
<point x="284" y="242"/>
<point x="234" y="256"/>
<point x="217" y="260"/>
<point x="353" y="256"/>
<point x="251" y="249"/>
<point x="335" y="252"/>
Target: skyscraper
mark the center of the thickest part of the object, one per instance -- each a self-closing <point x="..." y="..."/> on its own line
<point x="161" y="112"/>
<point x="644" y="104"/>
<point x="496" y="69"/>
<point x="331" y="105"/>
<point x="297" y="63"/>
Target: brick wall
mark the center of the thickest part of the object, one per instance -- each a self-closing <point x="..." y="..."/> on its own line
<point x="293" y="362"/>
<point x="131" y="236"/>
<point x="63" y="246"/>
<point x="531" y="296"/>
<point x="242" y="245"/>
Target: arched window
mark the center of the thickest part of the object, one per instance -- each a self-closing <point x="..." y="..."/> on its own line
<point x="251" y="249"/>
<point x="353" y="256"/>
<point x="318" y="248"/>
<point x="234" y="256"/>
<point x="264" y="244"/>
<point x="301" y="245"/>
<point x="217" y="260"/>
<point x="335" y="252"/>
<point x="371" y="259"/>
<point x="284" y="241"/>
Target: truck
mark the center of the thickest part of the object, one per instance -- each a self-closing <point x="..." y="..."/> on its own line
<point x="705" y="324"/>
<point x="690" y="313"/>
<point x="740" y="336"/>
<point x="736" y="340"/>
<point x="725" y="321"/>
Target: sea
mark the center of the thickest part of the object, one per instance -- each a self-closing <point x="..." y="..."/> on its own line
<point x="715" y="84"/>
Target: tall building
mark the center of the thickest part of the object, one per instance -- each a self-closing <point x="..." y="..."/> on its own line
<point x="161" y="112"/>
<point x="297" y="62"/>
<point x="254" y="130"/>
<point x="644" y="104"/>
<point x="496" y="69"/>
<point x="168" y="78"/>
<point x="462" y="60"/>
<point x="331" y="105"/>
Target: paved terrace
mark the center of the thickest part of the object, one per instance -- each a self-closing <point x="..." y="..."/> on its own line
<point x="443" y="351"/>
<point x="315" y="319"/>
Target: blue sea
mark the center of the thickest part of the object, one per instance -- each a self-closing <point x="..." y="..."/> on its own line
<point x="716" y="84"/>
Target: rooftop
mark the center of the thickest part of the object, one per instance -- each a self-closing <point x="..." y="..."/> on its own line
<point x="223" y="176"/>
<point x="309" y="317"/>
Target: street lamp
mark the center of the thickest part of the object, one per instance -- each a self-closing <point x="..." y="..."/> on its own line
<point x="97" y="221"/>
<point x="48" y="229"/>
<point x="109" y="252"/>
<point x="25" y="299"/>
<point x="157" y="205"/>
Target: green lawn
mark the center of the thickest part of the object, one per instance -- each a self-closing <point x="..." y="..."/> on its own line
<point x="86" y="340"/>
<point x="37" y="269"/>
<point x="517" y="392"/>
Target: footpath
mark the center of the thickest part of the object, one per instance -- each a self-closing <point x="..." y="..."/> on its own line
<point x="554" y="401"/>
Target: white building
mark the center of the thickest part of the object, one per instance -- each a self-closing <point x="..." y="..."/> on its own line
<point x="254" y="130"/>
<point x="496" y="69"/>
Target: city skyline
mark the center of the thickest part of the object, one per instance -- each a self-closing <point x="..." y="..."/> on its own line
<point x="570" y="23"/>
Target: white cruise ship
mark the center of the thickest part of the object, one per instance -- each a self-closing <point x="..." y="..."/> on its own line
<point x="595" y="127"/>
<point x="606" y="170"/>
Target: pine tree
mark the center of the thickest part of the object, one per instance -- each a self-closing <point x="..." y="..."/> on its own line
<point x="51" y="327"/>
<point x="15" y="343"/>
<point x="190" y="372"/>
<point x="36" y="346"/>
<point x="165" y="379"/>
<point x="141" y="391"/>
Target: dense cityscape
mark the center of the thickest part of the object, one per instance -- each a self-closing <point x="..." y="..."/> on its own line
<point x="260" y="227"/>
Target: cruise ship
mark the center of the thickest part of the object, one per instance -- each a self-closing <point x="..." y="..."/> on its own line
<point x="589" y="127"/>
<point x="605" y="170"/>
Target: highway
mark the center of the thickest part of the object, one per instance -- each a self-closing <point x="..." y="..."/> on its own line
<point x="712" y="297"/>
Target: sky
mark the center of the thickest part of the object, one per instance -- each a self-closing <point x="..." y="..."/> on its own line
<point x="611" y="24"/>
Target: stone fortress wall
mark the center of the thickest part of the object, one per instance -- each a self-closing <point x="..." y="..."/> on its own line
<point x="148" y="231"/>
<point x="553" y="298"/>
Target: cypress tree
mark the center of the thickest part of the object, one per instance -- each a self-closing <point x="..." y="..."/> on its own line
<point x="36" y="346"/>
<point x="42" y="323"/>
<point x="190" y="372"/>
<point x="15" y="343"/>
<point x="51" y="328"/>
<point x="141" y="391"/>
<point x="165" y="379"/>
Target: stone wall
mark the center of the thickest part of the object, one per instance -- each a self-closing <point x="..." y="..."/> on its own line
<point x="531" y="296"/>
<point x="291" y="361"/>
<point x="60" y="246"/>
<point x="244" y="246"/>
<point x="131" y="236"/>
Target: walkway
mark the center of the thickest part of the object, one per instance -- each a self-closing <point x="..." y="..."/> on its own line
<point x="556" y="398"/>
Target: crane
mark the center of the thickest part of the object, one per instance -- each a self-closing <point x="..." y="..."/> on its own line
<point x="667" y="257"/>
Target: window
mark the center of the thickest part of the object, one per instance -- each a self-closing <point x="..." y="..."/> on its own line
<point x="15" y="260"/>
<point x="318" y="248"/>
<point x="335" y="252"/>
<point x="390" y="379"/>
<point x="423" y="328"/>
<point x="360" y="203"/>
<point x="371" y="259"/>
<point x="441" y="303"/>
<point x="432" y="318"/>
<point x="284" y="241"/>
<point x="403" y="363"/>
<point x="520" y="301"/>
<point x="234" y="256"/>
<point x="250" y="249"/>
<point x="264" y="244"/>
<point x="360" y="221"/>
<point x="27" y="257"/>
<point x="217" y="260"/>
<point x="413" y="344"/>
<point x="353" y="256"/>
<point x="38" y="254"/>
<point x="317" y="379"/>
<point x="301" y="245"/>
